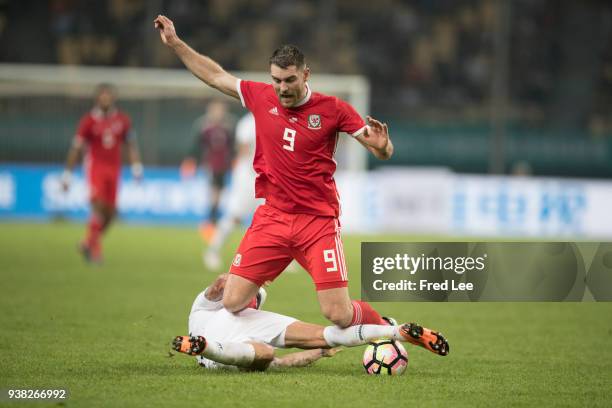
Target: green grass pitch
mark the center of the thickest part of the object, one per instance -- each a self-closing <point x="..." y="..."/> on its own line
<point x="104" y="333"/>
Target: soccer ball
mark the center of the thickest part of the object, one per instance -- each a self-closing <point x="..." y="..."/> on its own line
<point x="385" y="356"/>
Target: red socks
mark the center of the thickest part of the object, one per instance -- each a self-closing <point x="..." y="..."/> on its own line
<point x="92" y="237"/>
<point x="363" y="313"/>
<point x="252" y="304"/>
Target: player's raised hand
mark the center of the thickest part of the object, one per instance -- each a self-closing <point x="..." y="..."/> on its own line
<point x="166" y="30"/>
<point x="376" y="134"/>
<point x="215" y="291"/>
<point x="137" y="171"/>
<point x="65" y="180"/>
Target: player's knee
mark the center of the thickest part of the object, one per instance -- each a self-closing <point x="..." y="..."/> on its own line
<point x="232" y="304"/>
<point x="264" y="355"/>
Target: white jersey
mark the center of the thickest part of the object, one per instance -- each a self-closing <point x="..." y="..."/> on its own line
<point x="245" y="135"/>
<point x="242" y="200"/>
<point x="210" y="320"/>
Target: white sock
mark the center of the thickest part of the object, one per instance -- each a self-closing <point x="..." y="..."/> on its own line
<point x="224" y="228"/>
<point x="360" y="334"/>
<point x="239" y="354"/>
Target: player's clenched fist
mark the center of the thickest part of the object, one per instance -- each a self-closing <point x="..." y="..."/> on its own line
<point x="166" y="30"/>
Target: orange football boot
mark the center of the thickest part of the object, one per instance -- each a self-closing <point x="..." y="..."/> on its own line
<point x="193" y="345"/>
<point x="429" y="339"/>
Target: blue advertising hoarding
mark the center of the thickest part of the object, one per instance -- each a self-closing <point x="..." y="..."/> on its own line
<point x="34" y="192"/>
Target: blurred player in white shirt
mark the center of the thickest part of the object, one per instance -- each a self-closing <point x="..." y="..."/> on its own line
<point x="248" y="339"/>
<point x="242" y="201"/>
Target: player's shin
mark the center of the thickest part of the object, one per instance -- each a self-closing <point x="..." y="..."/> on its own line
<point x="230" y="353"/>
<point x="91" y="244"/>
<point x="94" y="228"/>
<point x="249" y="355"/>
<point x="358" y="335"/>
<point x="109" y="216"/>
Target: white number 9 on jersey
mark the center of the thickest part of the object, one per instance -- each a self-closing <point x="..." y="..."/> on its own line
<point x="108" y="139"/>
<point x="329" y="256"/>
<point x="289" y="136"/>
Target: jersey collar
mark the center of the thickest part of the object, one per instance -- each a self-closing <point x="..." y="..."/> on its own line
<point x="99" y="113"/>
<point x="305" y="98"/>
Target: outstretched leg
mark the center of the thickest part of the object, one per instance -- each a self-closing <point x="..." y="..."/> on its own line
<point x="249" y="355"/>
<point x="307" y="335"/>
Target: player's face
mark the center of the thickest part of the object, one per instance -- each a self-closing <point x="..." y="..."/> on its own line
<point x="105" y="99"/>
<point x="216" y="111"/>
<point x="289" y="84"/>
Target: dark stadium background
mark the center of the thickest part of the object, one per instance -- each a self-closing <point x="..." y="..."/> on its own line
<point x="529" y="82"/>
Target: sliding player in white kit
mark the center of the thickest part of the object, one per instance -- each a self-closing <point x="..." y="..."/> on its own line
<point x="242" y="201"/>
<point x="248" y="339"/>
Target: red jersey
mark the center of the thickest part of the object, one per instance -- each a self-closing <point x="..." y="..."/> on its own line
<point x="216" y="144"/>
<point x="104" y="135"/>
<point x="294" y="153"/>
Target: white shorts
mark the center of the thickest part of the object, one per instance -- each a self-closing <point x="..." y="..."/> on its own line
<point x="248" y="325"/>
<point x="241" y="200"/>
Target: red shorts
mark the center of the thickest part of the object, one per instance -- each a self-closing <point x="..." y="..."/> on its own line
<point x="276" y="237"/>
<point x="103" y="185"/>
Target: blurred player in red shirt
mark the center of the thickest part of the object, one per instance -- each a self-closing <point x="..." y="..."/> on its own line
<point x="214" y="144"/>
<point x="101" y="133"/>
<point x="297" y="132"/>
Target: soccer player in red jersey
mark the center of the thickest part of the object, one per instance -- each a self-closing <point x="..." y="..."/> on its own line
<point x="296" y="136"/>
<point x="101" y="133"/>
<point x="214" y="144"/>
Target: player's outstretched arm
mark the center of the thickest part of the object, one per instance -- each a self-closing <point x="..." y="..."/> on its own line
<point x="134" y="157"/>
<point x="376" y="139"/>
<point x="303" y="358"/>
<point x="207" y="70"/>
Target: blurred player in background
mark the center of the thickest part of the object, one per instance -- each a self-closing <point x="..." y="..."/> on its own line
<point x="242" y="201"/>
<point x="297" y="134"/>
<point x="101" y="133"/>
<point x="247" y="339"/>
<point x="214" y="144"/>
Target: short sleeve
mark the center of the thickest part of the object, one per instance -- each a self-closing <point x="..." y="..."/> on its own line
<point x="349" y="120"/>
<point x="83" y="133"/>
<point x="249" y="91"/>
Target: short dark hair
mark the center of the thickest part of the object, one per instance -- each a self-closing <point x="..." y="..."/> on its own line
<point x="105" y="86"/>
<point x="287" y="55"/>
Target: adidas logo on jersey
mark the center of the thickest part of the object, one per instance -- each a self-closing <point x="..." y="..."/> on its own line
<point x="274" y="111"/>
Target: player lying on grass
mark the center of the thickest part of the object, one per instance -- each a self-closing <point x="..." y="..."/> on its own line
<point x="248" y="339"/>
